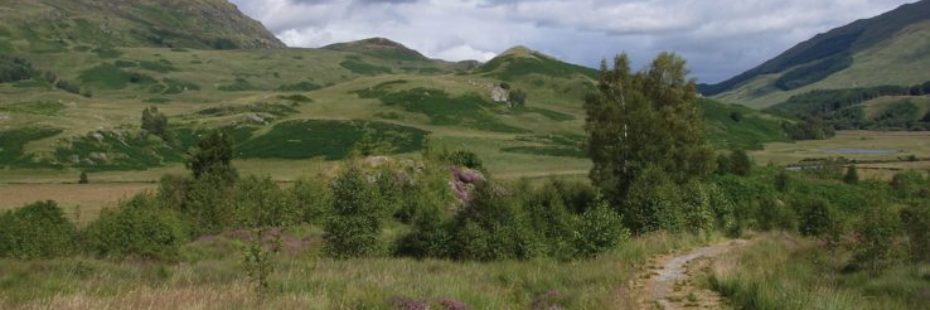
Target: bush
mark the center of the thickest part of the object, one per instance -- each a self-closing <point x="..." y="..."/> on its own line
<point x="212" y="156"/>
<point x="549" y="217"/>
<point x="698" y="213"/>
<point x="431" y="236"/>
<point x="261" y="203"/>
<point x="817" y="216"/>
<point x="653" y="203"/>
<point x="14" y="69"/>
<point x="774" y="214"/>
<point x="723" y="209"/>
<point x="312" y="199"/>
<point x="878" y="231"/>
<point x="599" y="230"/>
<point x="916" y="221"/>
<point x="354" y="227"/>
<point x="82" y="179"/>
<point x="909" y="185"/>
<point x="740" y="162"/>
<point x="493" y="227"/>
<point x="852" y="175"/>
<point x="209" y="205"/>
<point x="139" y="228"/>
<point x="464" y="158"/>
<point x="38" y="230"/>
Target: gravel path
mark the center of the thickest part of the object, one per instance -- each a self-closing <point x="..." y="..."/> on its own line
<point x="669" y="286"/>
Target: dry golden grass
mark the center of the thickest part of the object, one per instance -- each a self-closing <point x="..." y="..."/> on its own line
<point x="90" y="197"/>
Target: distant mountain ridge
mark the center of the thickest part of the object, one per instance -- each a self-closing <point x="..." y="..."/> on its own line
<point x="829" y="53"/>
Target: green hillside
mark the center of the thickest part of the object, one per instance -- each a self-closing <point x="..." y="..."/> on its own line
<point x="889" y="49"/>
<point x="53" y="26"/>
<point x="78" y="108"/>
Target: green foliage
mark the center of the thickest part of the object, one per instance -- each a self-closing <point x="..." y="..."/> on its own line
<point x="82" y="179"/>
<point x="354" y="225"/>
<point x="261" y="203"/>
<point x="330" y="139"/>
<point x="155" y="122"/>
<point x="209" y="204"/>
<point x="517" y="98"/>
<point x="916" y="221"/>
<point x="493" y="227"/>
<point x="740" y="163"/>
<point x="737" y="127"/>
<point x="464" y="158"/>
<point x="910" y="185"/>
<point x="139" y="228"/>
<point x="38" y="230"/>
<point x="443" y="110"/>
<point x="311" y="198"/>
<point x="107" y="76"/>
<point x="600" y="229"/>
<point x="878" y="233"/>
<point x="809" y="129"/>
<point x="642" y="120"/>
<point x="12" y="143"/>
<point x="160" y="66"/>
<point x="239" y="84"/>
<point x="775" y="214"/>
<point x="276" y="109"/>
<point x="14" y="69"/>
<point x="107" y="150"/>
<point x="852" y="175"/>
<point x="550" y="218"/>
<point x="431" y="233"/>
<point x="699" y="215"/>
<point x="654" y="202"/>
<point x="817" y="216"/>
<point x="212" y="156"/>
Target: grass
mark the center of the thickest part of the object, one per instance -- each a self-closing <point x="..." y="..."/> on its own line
<point x="749" y="131"/>
<point x="359" y="67"/>
<point x="330" y="139"/>
<point x="781" y="272"/>
<point x="210" y="276"/>
<point x="108" y="150"/>
<point x="12" y="143"/>
<point x="46" y="108"/>
<point x="106" y="75"/>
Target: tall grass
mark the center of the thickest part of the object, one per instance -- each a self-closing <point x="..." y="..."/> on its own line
<point x="781" y="272"/>
<point x="209" y="278"/>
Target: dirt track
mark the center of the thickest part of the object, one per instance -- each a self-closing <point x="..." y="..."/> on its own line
<point x="669" y="284"/>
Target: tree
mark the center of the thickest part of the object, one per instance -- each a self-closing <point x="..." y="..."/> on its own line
<point x="654" y="203"/>
<point x="155" y="122"/>
<point x="212" y="155"/>
<point x="916" y="219"/>
<point x="646" y="118"/>
<point x="82" y="179"/>
<point x="852" y="175"/>
<point x="354" y="227"/>
<point x="740" y="163"/>
<point x="878" y="231"/>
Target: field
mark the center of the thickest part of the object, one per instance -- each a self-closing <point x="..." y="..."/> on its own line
<point x="884" y="153"/>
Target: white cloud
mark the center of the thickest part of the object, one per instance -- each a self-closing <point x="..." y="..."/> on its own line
<point x="719" y="37"/>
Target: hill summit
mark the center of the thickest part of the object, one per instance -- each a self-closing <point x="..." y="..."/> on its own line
<point x="378" y="47"/>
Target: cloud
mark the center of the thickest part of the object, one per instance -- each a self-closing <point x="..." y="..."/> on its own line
<point x="720" y="38"/>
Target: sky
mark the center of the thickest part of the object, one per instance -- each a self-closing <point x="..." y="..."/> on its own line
<point x="719" y="38"/>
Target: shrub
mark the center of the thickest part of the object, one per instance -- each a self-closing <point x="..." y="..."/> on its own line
<point x="212" y="156"/>
<point x="354" y="227"/>
<point x="916" y="219"/>
<point x="599" y="230"/>
<point x="577" y="196"/>
<point x="493" y="227"/>
<point x="464" y="158"/>
<point x="653" y="203"/>
<point x="312" y="199"/>
<point x="38" y="230"/>
<point x="138" y="228"/>
<point x="817" y="216"/>
<point x="908" y="185"/>
<point x="155" y="122"/>
<point x="82" y="179"/>
<point x="14" y="69"/>
<point x="878" y="231"/>
<point x="431" y="236"/>
<point x="549" y="217"/>
<point x="698" y="213"/>
<point x="774" y="214"/>
<point x="261" y="203"/>
<point x="740" y="163"/>
<point x="723" y="210"/>
<point x="209" y="204"/>
<point x="851" y="176"/>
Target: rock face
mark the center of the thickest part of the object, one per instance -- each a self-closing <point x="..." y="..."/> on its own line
<point x="462" y="181"/>
<point x="499" y="94"/>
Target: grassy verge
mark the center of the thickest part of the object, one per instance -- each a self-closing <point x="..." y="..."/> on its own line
<point x="781" y="272"/>
<point x="210" y="276"/>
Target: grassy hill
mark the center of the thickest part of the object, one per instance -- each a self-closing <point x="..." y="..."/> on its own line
<point x="53" y="26"/>
<point x="890" y="49"/>
<point x="79" y="108"/>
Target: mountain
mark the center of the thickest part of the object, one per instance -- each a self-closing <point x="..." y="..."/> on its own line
<point x="520" y="61"/>
<point x="58" y="25"/>
<point x="379" y="47"/>
<point x="889" y="49"/>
